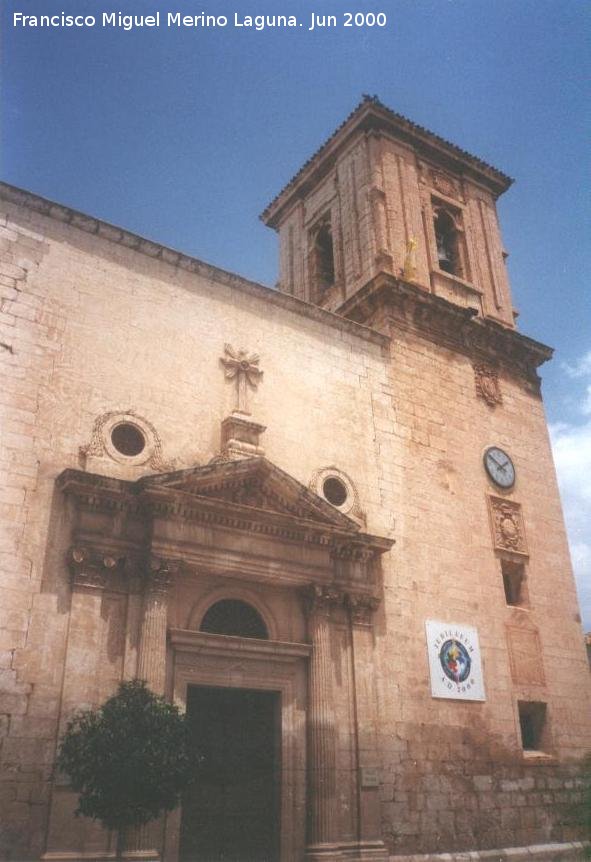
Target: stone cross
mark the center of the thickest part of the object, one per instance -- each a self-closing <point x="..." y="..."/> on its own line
<point x="244" y="369"/>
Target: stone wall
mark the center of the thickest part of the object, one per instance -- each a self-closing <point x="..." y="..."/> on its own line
<point x="90" y="326"/>
<point x="95" y="321"/>
<point x="455" y="775"/>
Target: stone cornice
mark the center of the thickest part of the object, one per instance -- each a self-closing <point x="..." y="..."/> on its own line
<point x="177" y="259"/>
<point x="102" y="493"/>
<point x="185" y="640"/>
<point x="389" y="302"/>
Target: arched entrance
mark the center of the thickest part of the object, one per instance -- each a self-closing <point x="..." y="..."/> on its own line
<point x="232" y="812"/>
<point x="246" y="700"/>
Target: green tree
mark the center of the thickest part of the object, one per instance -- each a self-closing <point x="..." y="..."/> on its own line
<point x="130" y="759"/>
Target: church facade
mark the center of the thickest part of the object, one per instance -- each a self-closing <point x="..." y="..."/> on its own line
<point x="322" y="519"/>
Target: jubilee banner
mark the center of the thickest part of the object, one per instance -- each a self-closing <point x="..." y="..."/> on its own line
<point x="454" y="661"/>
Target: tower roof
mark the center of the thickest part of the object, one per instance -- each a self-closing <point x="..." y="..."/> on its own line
<point x="371" y="114"/>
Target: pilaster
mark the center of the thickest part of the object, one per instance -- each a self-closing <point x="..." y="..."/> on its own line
<point x="322" y="843"/>
<point x="362" y="609"/>
<point x="141" y="843"/>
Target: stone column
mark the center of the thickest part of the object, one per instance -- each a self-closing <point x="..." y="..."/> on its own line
<point x="322" y="802"/>
<point x="141" y="843"/>
<point x="151" y="662"/>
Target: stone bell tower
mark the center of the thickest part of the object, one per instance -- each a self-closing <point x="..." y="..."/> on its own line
<point x="383" y="195"/>
<point x="393" y="227"/>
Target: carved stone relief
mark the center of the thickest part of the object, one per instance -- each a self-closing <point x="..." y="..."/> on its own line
<point x="508" y="530"/>
<point x="362" y="608"/>
<point x="160" y="575"/>
<point x="90" y="567"/>
<point x="486" y="379"/>
<point x="97" y="568"/>
<point x="442" y="182"/>
<point x="322" y="599"/>
<point x="244" y="369"/>
<point x="100" y="445"/>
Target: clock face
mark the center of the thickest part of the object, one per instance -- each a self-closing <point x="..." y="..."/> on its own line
<point x="499" y="467"/>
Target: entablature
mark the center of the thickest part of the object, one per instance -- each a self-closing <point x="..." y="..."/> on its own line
<point x="280" y="533"/>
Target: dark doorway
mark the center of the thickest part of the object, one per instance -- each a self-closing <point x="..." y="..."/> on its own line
<point x="232" y="812"/>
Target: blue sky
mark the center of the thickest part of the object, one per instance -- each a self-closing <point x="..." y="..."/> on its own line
<point x="184" y="135"/>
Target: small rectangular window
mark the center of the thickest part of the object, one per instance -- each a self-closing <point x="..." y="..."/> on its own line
<point x="514" y="582"/>
<point x="532" y="722"/>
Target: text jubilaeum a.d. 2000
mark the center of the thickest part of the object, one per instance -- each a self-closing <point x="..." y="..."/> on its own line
<point x="455" y="664"/>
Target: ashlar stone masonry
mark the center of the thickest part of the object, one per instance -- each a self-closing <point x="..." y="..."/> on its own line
<point x="258" y="499"/>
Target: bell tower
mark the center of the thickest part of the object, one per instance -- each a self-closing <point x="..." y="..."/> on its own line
<point x="385" y="196"/>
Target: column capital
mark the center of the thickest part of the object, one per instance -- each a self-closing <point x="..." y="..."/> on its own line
<point x="90" y="567"/>
<point x="362" y="608"/>
<point x="322" y="599"/>
<point x="160" y="574"/>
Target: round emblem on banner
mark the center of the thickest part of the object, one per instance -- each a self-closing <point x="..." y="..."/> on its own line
<point x="455" y="661"/>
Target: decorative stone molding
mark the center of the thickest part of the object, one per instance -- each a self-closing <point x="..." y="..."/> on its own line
<point x="240" y="438"/>
<point x="440" y="181"/>
<point x="243" y="593"/>
<point x="508" y="530"/>
<point x="362" y="608"/>
<point x="93" y="566"/>
<point x="386" y="298"/>
<point x="248" y="495"/>
<point x="244" y="369"/>
<point x="160" y="575"/>
<point x="486" y="379"/>
<point x="353" y="551"/>
<point x="322" y="599"/>
<point x="90" y="567"/>
<point x="445" y="184"/>
<point x="350" y="505"/>
<point x="101" y="446"/>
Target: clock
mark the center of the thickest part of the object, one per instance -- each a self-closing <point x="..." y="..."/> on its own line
<point x="499" y="467"/>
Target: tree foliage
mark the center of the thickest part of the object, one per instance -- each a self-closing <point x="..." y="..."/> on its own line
<point x="130" y="759"/>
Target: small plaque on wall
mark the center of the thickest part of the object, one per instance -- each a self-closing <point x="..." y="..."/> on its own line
<point x="454" y="661"/>
<point x="370" y="776"/>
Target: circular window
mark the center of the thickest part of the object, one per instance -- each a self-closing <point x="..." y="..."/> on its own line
<point x="334" y="491"/>
<point x="334" y="486"/>
<point x="127" y="439"/>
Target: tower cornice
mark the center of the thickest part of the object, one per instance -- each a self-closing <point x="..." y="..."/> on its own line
<point x="387" y="303"/>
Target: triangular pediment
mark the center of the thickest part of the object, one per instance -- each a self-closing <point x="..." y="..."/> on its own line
<point x="255" y="483"/>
